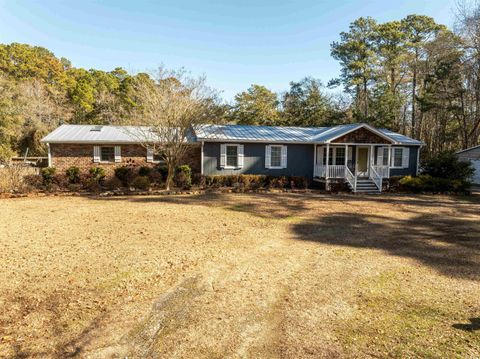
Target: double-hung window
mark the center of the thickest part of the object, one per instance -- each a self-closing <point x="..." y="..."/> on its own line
<point x="400" y="157"/>
<point x="336" y="155"/>
<point x="107" y="154"/>
<point x="382" y="156"/>
<point x="232" y="156"/>
<point x="276" y="156"/>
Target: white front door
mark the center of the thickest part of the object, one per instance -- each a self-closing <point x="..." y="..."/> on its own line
<point x="362" y="162"/>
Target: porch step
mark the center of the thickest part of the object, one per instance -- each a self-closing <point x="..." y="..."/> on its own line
<point x="365" y="186"/>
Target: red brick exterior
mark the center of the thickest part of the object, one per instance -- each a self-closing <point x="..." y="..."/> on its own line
<point x="65" y="155"/>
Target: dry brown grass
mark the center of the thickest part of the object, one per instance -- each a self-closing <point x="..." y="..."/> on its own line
<point x="274" y="275"/>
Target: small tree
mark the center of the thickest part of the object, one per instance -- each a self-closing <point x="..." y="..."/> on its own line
<point x="169" y="106"/>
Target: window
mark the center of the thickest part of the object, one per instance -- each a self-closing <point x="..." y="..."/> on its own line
<point x="336" y="155"/>
<point x="232" y="156"/>
<point x="107" y="154"/>
<point x="382" y="156"/>
<point x="275" y="156"/>
<point x="340" y="156"/>
<point x="397" y="157"/>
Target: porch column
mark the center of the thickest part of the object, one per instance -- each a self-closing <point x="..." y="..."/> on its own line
<point x="314" y="160"/>
<point x="346" y="161"/>
<point x="372" y="155"/>
<point x="389" y="159"/>
<point x="326" y="161"/>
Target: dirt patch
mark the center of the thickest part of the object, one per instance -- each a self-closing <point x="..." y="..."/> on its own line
<point x="240" y="275"/>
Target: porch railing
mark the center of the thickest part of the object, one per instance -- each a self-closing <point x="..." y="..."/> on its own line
<point x="382" y="171"/>
<point x="376" y="178"/>
<point x="351" y="179"/>
<point x="334" y="171"/>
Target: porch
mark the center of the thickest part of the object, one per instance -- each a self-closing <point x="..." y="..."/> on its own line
<point x="362" y="166"/>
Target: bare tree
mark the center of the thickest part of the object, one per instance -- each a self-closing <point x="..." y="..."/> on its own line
<point x="169" y="107"/>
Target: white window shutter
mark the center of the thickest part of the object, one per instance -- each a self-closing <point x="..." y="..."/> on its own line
<point x="96" y="154"/>
<point x="380" y="151"/>
<point x="118" y="155"/>
<point x="284" y="156"/>
<point x="149" y="154"/>
<point x="268" y="155"/>
<point x="240" y="156"/>
<point x="223" y="155"/>
<point x="406" y="157"/>
<point x="320" y="155"/>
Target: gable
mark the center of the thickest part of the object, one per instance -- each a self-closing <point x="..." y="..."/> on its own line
<point x="361" y="135"/>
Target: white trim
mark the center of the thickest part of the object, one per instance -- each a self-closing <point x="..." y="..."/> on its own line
<point x="117" y="152"/>
<point x="368" y="161"/>
<point x="226" y="167"/>
<point x="268" y="156"/>
<point x="201" y="158"/>
<point x="314" y="158"/>
<point x="49" y="155"/>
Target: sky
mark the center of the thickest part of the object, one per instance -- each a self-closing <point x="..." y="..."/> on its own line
<point x="234" y="43"/>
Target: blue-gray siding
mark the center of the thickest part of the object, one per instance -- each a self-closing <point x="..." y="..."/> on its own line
<point x="299" y="160"/>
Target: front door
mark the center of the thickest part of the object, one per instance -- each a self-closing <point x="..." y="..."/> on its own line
<point x="362" y="161"/>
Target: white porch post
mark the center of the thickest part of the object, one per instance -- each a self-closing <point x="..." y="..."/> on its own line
<point x="346" y="161"/>
<point x="314" y="159"/>
<point x="201" y="159"/>
<point x="49" y="155"/>
<point x="327" y="160"/>
<point x="389" y="159"/>
<point x="372" y="152"/>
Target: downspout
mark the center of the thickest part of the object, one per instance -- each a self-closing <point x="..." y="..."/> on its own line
<point x="49" y="155"/>
<point x="201" y="160"/>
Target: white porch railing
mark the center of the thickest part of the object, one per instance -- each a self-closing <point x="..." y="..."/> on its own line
<point x="382" y="171"/>
<point x="376" y="178"/>
<point x="350" y="178"/>
<point x="334" y="171"/>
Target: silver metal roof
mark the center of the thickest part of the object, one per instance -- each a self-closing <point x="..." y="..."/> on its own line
<point x="101" y="134"/>
<point x="244" y="133"/>
<point x="217" y="133"/>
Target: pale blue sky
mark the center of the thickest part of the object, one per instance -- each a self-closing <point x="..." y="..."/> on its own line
<point x="235" y="43"/>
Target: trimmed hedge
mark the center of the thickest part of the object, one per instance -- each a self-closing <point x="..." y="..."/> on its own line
<point x="255" y="181"/>
<point x="427" y="183"/>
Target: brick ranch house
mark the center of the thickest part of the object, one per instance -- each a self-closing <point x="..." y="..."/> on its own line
<point x="358" y="154"/>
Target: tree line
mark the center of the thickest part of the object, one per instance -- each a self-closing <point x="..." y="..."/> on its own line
<point x="413" y="76"/>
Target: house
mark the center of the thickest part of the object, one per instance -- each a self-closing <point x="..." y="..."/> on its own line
<point x="472" y="155"/>
<point x="359" y="154"/>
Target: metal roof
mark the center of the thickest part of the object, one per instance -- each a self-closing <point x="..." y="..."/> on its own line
<point x="101" y="134"/>
<point x="247" y="133"/>
<point x="217" y="133"/>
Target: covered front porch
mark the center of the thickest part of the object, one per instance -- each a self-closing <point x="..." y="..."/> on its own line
<point x="360" y="165"/>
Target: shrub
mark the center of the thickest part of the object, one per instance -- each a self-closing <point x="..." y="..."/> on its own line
<point x="19" y="178"/>
<point x="446" y="165"/>
<point x="73" y="174"/>
<point x="48" y="174"/>
<point x="183" y="177"/>
<point x="124" y="174"/>
<point x="278" y="182"/>
<point x="113" y="183"/>
<point x="145" y="171"/>
<point x="97" y="174"/>
<point x="298" y="182"/>
<point x="427" y="183"/>
<point x="141" y="182"/>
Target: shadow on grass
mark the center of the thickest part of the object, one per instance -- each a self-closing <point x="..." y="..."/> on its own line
<point x="447" y="244"/>
<point x="472" y="326"/>
<point x="436" y="234"/>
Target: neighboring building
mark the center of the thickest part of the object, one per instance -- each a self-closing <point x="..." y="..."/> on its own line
<point x="356" y="153"/>
<point x="473" y="155"/>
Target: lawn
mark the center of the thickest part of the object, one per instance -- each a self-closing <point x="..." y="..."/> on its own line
<point x="230" y="275"/>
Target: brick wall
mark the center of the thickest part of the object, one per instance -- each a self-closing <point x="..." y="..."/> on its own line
<point x="81" y="155"/>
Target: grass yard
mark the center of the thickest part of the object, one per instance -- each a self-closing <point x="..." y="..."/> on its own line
<point x="228" y="275"/>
